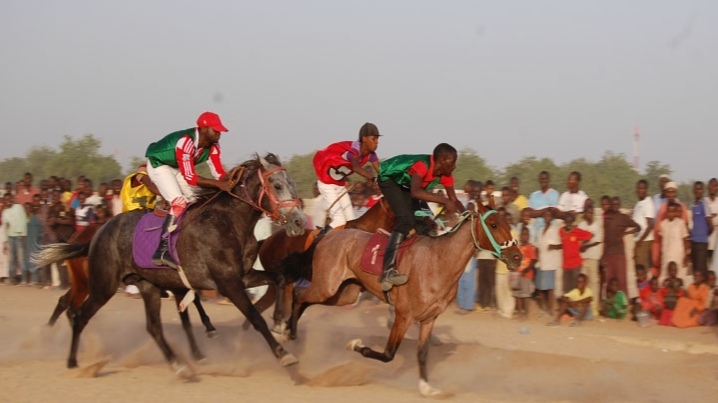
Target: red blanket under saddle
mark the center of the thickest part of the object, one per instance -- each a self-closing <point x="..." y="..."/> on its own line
<point x="372" y="259"/>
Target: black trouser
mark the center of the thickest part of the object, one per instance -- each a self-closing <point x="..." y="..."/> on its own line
<point x="487" y="282"/>
<point x="404" y="206"/>
<point x="699" y="256"/>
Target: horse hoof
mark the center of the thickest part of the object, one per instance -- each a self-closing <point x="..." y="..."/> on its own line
<point x="183" y="372"/>
<point x="71" y="363"/>
<point x="288" y="359"/>
<point x="280" y="337"/>
<point x="212" y="334"/>
<point x="427" y="390"/>
<point x="354" y="345"/>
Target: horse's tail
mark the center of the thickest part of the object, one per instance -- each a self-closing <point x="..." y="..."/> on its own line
<point x="58" y="252"/>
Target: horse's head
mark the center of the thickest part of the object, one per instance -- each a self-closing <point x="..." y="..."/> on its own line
<point x="493" y="234"/>
<point x="267" y="186"/>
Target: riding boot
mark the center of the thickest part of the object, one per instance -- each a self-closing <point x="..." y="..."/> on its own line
<point x="162" y="256"/>
<point x="389" y="276"/>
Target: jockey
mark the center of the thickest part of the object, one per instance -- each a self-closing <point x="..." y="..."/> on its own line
<point x="171" y="167"/>
<point x="339" y="160"/>
<point x="405" y="181"/>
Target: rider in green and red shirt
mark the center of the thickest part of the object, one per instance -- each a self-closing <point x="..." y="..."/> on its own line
<point x="171" y="167"/>
<point x="405" y="181"/>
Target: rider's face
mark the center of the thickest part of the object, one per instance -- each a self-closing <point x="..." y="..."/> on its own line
<point x="446" y="165"/>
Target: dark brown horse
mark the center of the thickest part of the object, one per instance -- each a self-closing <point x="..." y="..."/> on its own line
<point x="433" y="264"/>
<point x="286" y="256"/>
<point x="71" y="301"/>
<point x="214" y="244"/>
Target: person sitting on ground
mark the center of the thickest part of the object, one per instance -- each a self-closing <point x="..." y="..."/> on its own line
<point x="651" y="300"/>
<point x="615" y="305"/>
<point x="671" y="290"/>
<point x="642" y="280"/>
<point x="709" y="317"/>
<point x="523" y="286"/>
<point x="405" y="181"/>
<point x="576" y="303"/>
<point x="693" y="302"/>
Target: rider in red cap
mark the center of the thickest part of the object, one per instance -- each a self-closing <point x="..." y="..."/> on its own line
<point x="171" y="167"/>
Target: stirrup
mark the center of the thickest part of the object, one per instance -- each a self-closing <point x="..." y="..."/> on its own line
<point x="392" y="278"/>
<point x="165" y="259"/>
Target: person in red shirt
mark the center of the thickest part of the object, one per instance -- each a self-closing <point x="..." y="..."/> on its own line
<point x="572" y="238"/>
<point x="336" y="162"/>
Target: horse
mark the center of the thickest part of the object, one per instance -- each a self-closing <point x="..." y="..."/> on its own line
<point x="71" y="301"/>
<point x="289" y="256"/>
<point x="215" y="246"/>
<point x="434" y="265"/>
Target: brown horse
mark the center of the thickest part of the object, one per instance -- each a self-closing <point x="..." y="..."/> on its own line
<point x="275" y="250"/>
<point x="434" y="265"/>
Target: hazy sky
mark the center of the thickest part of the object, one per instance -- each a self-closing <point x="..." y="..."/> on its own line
<point x="559" y="79"/>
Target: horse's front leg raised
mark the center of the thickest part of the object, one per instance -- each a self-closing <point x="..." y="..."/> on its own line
<point x="62" y="304"/>
<point x="401" y="324"/>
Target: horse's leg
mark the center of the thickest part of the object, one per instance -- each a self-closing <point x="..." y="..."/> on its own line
<point x="210" y="331"/>
<point x="62" y="304"/>
<point x="187" y="326"/>
<point x="94" y="302"/>
<point x="238" y="295"/>
<point x="422" y="354"/>
<point x="401" y="324"/>
<point x="151" y="295"/>
<point x="263" y="303"/>
<point x="254" y="278"/>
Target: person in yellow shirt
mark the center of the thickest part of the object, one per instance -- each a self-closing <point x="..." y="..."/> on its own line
<point x="576" y="303"/>
<point x="519" y="200"/>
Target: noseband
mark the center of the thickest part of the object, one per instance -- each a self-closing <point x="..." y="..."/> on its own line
<point x="267" y="190"/>
<point x="497" y="248"/>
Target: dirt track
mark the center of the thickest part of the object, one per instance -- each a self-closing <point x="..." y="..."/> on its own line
<point x="483" y="358"/>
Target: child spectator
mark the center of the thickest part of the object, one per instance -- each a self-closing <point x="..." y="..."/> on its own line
<point x="615" y="305"/>
<point x="650" y="299"/>
<point x="507" y="197"/>
<point x="592" y="250"/>
<point x="709" y="317"/>
<point x="576" y="303"/>
<point x="84" y="214"/>
<point x="642" y="280"/>
<point x="523" y="284"/>
<point x="525" y="222"/>
<point x="102" y="214"/>
<point x="549" y="260"/>
<point x="674" y="240"/>
<point x="571" y="240"/>
<point x="693" y="302"/>
<point x="672" y="290"/>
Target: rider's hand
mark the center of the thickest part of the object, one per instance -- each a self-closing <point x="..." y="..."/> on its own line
<point x="450" y="207"/>
<point x="225" y="186"/>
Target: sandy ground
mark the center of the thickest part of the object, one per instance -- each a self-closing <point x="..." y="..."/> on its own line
<point x="483" y="358"/>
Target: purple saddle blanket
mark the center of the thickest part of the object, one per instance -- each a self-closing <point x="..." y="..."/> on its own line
<point x="147" y="238"/>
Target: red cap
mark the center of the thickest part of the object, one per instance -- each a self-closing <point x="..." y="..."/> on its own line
<point x="211" y="119"/>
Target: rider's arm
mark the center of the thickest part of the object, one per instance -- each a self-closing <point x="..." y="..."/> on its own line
<point x="451" y="193"/>
<point x="418" y="192"/>
<point x="357" y="168"/>
<point x="185" y="160"/>
<point x="215" y="163"/>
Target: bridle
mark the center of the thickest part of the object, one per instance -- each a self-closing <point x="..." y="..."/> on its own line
<point x="277" y="205"/>
<point x="497" y="248"/>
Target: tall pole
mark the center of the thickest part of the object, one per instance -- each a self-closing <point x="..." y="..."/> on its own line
<point x="636" y="138"/>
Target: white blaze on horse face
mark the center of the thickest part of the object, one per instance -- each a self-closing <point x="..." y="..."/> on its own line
<point x="282" y="186"/>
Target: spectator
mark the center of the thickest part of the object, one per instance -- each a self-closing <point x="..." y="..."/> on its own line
<point x="591" y="251"/>
<point x="518" y="199"/>
<point x="523" y="287"/>
<point x="572" y="239"/>
<point x="675" y="241"/>
<point x="693" y="302"/>
<point x="702" y="218"/>
<point x="644" y="214"/>
<point x="671" y="290"/>
<point x="549" y="260"/>
<point x="541" y="200"/>
<point x="33" y="242"/>
<point x="26" y="191"/>
<point x="511" y="208"/>
<point x="615" y="226"/>
<point x="576" y="303"/>
<point x="14" y="221"/>
<point x="651" y="300"/>
<point x="709" y="317"/>
<point x="573" y="200"/>
<point x="615" y="305"/>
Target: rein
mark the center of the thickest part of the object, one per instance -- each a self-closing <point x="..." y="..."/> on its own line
<point x="497" y="248"/>
<point x="236" y="174"/>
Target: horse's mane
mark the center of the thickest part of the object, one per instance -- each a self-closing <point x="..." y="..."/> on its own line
<point x="250" y="167"/>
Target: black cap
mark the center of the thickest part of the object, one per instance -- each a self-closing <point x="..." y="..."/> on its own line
<point x="368" y="129"/>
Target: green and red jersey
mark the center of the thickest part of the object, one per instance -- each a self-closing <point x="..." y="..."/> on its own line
<point x="401" y="168"/>
<point x="179" y="150"/>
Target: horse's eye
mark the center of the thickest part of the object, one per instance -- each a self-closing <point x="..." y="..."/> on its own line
<point x="494" y="226"/>
<point x="277" y="187"/>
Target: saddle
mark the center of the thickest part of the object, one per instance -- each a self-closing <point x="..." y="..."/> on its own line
<point x="147" y="237"/>
<point x="372" y="258"/>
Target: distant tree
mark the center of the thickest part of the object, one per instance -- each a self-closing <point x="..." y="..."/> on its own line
<point x="301" y="170"/>
<point x="82" y="157"/>
<point x="653" y="172"/>
<point x="470" y="165"/>
<point x="13" y="169"/>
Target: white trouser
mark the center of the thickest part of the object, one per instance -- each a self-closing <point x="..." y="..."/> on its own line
<point x="342" y="211"/>
<point x="171" y="184"/>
